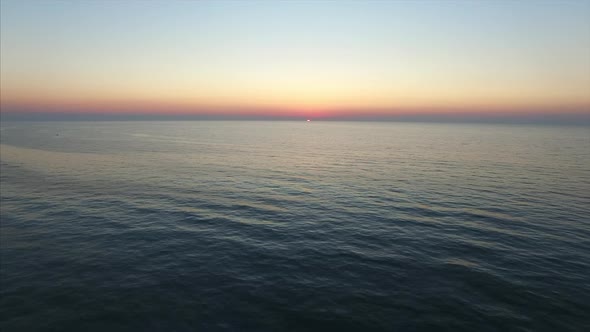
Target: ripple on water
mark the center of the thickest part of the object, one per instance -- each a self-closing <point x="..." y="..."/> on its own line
<point x="268" y="227"/>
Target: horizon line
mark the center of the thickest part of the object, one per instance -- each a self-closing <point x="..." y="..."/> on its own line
<point x="581" y="118"/>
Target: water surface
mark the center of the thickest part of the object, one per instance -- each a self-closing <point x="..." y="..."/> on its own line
<point x="278" y="226"/>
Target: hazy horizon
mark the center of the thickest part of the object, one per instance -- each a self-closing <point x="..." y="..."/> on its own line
<point x="545" y="119"/>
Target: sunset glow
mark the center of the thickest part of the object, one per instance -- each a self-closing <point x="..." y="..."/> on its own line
<point x="296" y="59"/>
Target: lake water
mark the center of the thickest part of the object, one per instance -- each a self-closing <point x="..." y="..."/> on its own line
<point x="294" y="226"/>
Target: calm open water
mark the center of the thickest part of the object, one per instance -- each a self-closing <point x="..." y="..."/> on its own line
<point x="294" y="226"/>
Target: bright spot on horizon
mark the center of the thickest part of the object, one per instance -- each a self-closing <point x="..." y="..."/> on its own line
<point x="308" y="120"/>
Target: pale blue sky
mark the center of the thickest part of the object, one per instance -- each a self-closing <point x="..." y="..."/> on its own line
<point x="297" y="53"/>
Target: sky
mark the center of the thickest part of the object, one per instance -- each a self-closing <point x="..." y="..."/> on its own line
<point x="296" y="59"/>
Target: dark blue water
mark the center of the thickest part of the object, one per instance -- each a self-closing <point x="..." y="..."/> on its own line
<point x="289" y="226"/>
